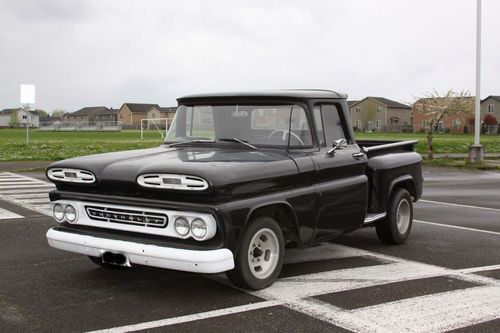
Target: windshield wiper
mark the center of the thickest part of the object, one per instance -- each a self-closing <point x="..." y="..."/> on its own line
<point x="238" y="141"/>
<point x="191" y="141"/>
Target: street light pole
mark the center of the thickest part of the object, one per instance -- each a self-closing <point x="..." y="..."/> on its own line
<point x="477" y="122"/>
<point x="476" y="152"/>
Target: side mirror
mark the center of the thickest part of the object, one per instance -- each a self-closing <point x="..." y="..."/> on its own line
<point x="337" y="144"/>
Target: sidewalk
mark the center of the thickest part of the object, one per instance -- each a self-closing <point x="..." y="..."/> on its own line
<point x="461" y="155"/>
<point x="23" y="165"/>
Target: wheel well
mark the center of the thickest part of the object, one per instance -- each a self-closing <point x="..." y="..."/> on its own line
<point x="407" y="185"/>
<point x="285" y="218"/>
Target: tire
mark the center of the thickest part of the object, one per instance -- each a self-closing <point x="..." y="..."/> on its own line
<point x="396" y="226"/>
<point x="259" y="258"/>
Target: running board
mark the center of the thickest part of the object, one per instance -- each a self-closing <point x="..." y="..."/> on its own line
<point x="374" y="217"/>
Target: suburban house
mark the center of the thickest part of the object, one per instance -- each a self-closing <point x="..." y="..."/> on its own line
<point x="17" y="118"/>
<point x="86" y="114"/>
<point x="449" y="123"/>
<point x="131" y="114"/>
<point x="168" y="112"/>
<point x="491" y="105"/>
<point x="107" y="115"/>
<point x="380" y="114"/>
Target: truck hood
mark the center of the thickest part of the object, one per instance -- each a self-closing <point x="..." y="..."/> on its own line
<point x="228" y="170"/>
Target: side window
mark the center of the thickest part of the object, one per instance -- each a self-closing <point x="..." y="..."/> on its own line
<point x="200" y="122"/>
<point x="332" y="123"/>
<point x="320" y="129"/>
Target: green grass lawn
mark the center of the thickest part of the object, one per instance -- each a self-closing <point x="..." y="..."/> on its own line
<point x="60" y="145"/>
<point x="442" y="143"/>
<point x="47" y="146"/>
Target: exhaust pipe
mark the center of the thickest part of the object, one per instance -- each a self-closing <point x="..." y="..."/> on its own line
<point x="118" y="259"/>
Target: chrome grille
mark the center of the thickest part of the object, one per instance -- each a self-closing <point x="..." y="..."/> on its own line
<point x="127" y="216"/>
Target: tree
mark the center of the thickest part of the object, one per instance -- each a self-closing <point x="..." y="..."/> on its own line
<point x="41" y="113"/>
<point x="58" y="113"/>
<point x="490" y="120"/>
<point x="13" y="119"/>
<point x="436" y="106"/>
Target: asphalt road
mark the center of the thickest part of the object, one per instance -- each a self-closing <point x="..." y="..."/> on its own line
<point x="445" y="278"/>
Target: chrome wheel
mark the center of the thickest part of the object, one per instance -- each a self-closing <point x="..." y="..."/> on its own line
<point x="403" y="216"/>
<point x="263" y="253"/>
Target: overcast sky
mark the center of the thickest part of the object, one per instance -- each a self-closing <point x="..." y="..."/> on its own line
<point x="88" y="53"/>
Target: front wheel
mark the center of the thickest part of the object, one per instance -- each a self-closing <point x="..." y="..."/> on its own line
<point x="259" y="258"/>
<point x="396" y="227"/>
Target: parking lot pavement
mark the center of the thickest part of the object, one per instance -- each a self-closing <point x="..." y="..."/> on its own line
<point x="445" y="278"/>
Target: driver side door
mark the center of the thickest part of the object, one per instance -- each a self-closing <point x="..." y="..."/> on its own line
<point x="340" y="181"/>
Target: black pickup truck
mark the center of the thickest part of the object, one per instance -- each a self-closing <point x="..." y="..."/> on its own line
<point x="239" y="178"/>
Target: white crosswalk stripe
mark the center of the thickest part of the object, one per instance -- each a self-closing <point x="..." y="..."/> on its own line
<point x="27" y="192"/>
<point x="436" y="312"/>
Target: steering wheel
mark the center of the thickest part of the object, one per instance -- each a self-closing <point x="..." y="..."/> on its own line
<point x="285" y="132"/>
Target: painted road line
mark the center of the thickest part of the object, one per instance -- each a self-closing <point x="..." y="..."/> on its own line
<point x="5" y="214"/>
<point x="36" y="200"/>
<point x="297" y="287"/>
<point x="40" y="185"/>
<point x="459" y="205"/>
<point x="458" y="227"/>
<point x="28" y="192"/>
<point x="479" y="269"/>
<point x="192" y="317"/>
<point x="435" y="313"/>
<point x="45" y="189"/>
<point x="43" y="194"/>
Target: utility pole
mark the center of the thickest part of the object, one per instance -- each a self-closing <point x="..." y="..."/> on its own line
<point x="476" y="151"/>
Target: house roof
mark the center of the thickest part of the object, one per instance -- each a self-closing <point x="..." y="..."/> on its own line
<point x="168" y="109"/>
<point x="107" y="111"/>
<point x="349" y="103"/>
<point x="140" y="107"/>
<point x="497" y="98"/>
<point x="384" y="101"/>
<point x="87" y="111"/>
<point x="433" y="98"/>
<point x="10" y="111"/>
<point x="282" y="93"/>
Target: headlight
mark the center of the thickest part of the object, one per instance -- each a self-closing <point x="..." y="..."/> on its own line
<point x="198" y="228"/>
<point x="70" y="213"/>
<point x="181" y="226"/>
<point x="58" y="211"/>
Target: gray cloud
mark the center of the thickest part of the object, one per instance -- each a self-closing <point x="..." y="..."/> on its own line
<point x="83" y="52"/>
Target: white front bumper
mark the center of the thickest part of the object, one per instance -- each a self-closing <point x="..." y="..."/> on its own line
<point x="211" y="261"/>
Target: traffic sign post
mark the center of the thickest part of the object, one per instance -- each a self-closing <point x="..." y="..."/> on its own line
<point x="27" y="98"/>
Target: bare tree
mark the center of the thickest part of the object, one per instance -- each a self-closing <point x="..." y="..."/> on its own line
<point x="58" y="114"/>
<point x="436" y="106"/>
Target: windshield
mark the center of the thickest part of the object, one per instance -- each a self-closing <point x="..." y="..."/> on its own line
<point x="259" y="125"/>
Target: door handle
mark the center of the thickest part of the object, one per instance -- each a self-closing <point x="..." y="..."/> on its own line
<point x="358" y="156"/>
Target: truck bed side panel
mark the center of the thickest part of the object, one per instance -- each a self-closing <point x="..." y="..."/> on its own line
<point x="385" y="171"/>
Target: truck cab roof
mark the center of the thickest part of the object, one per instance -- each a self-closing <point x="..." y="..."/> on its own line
<point x="280" y="93"/>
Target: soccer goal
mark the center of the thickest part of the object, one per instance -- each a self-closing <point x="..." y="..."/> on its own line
<point x="156" y="124"/>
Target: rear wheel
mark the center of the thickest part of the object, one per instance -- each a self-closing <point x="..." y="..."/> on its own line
<point x="396" y="226"/>
<point x="259" y="258"/>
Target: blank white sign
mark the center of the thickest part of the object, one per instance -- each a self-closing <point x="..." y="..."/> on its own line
<point x="27" y="94"/>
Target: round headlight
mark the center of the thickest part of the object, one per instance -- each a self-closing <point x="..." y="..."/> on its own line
<point x="70" y="213"/>
<point x="198" y="228"/>
<point x="181" y="226"/>
<point x="58" y="211"/>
